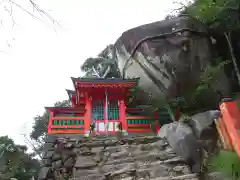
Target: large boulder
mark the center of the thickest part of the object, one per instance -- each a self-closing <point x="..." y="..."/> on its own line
<point x="204" y="128"/>
<point x="203" y="123"/>
<point x="168" y="56"/>
<point x="184" y="143"/>
<point x="190" y="138"/>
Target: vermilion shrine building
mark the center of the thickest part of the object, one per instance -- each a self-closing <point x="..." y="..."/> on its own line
<point x="102" y="103"/>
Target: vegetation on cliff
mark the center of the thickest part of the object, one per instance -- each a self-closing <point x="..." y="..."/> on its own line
<point x="223" y="20"/>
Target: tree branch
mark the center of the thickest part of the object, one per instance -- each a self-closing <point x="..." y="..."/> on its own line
<point x="30" y="143"/>
<point x="234" y="60"/>
<point x="42" y="16"/>
<point x="36" y="7"/>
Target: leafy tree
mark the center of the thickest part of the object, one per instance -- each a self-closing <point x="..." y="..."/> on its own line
<point x="103" y="66"/>
<point x="222" y="16"/>
<point x="15" y="162"/>
<point x="39" y="128"/>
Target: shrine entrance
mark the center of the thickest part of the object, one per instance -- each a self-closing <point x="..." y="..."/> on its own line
<point x="105" y="114"/>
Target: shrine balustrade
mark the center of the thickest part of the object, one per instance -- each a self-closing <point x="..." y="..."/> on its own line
<point x="66" y="121"/>
<point x="138" y="123"/>
<point x="75" y="121"/>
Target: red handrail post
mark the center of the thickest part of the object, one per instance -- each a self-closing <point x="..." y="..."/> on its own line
<point x="122" y="114"/>
<point x="88" y="114"/>
<point x="50" y="122"/>
<point x="231" y="117"/>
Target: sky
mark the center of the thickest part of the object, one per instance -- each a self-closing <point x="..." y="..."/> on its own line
<point x="38" y="57"/>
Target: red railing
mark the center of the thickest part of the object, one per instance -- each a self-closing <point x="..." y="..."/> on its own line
<point x="66" y="125"/>
<point x="140" y="123"/>
<point x="66" y="121"/>
<point x="229" y="125"/>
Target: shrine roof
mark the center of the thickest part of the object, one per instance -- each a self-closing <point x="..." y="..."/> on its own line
<point x="71" y="93"/>
<point x="103" y="82"/>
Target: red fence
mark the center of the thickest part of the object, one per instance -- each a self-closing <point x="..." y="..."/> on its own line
<point x="72" y="121"/>
<point x="140" y="123"/>
<point x="66" y="125"/>
<point x="229" y="125"/>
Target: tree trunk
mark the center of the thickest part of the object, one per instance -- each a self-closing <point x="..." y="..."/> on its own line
<point x="234" y="60"/>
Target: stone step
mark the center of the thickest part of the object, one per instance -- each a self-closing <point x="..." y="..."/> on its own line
<point x="111" y="158"/>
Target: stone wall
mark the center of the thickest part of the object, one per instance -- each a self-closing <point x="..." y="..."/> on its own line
<point x="112" y="158"/>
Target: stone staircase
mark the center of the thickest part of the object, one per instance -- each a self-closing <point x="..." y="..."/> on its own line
<point x="112" y="158"/>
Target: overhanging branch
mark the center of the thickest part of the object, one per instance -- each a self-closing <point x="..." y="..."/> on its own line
<point x="43" y="14"/>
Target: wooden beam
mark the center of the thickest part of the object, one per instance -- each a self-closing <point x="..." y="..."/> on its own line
<point x="65" y="127"/>
<point x="139" y="118"/>
<point x="67" y="118"/>
<point x="66" y="132"/>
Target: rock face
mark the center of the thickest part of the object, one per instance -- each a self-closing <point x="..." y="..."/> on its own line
<point x="183" y="141"/>
<point x="111" y="158"/>
<point x="168" y="56"/>
<point x="202" y="123"/>
<point x="189" y="138"/>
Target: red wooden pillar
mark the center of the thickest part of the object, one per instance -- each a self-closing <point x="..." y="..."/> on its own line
<point x="122" y="114"/>
<point x="88" y="114"/>
<point x="50" y="123"/>
<point x="105" y="115"/>
<point x="231" y="118"/>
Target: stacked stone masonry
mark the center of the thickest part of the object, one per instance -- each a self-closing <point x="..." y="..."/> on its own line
<point x="112" y="158"/>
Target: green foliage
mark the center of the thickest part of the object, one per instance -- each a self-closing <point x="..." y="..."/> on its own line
<point x="226" y="162"/>
<point x="208" y="77"/>
<point x="104" y="65"/>
<point x="193" y="100"/>
<point x="15" y="162"/>
<point x="223" y="17"/>
<point x="40" y="125"/>
<point x="220" y="14"/>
